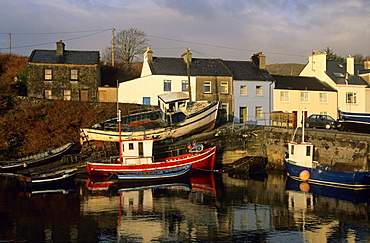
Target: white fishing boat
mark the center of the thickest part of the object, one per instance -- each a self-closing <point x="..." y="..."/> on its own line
<point x="176" y="117"/>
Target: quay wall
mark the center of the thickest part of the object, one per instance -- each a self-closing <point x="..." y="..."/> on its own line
<point x="330" y="145"/>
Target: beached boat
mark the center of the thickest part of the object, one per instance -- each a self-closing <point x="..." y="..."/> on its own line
<point x="354" y="121"/>
<point x="176" y="117"/>
<point x="300" y="165"/>
<point x="137" y="157"/>
<point x="36" y="159"/>
<point x="48" y="180"/>
<point x="151" y="175"/>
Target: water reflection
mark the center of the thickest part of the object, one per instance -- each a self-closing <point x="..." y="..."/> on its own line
<point x="208" y="207"/>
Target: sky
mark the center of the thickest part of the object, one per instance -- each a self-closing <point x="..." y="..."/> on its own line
<point x="286" y="31"/>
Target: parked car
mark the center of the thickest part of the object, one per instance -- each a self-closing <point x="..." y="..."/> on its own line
<point x="321" y="121"/>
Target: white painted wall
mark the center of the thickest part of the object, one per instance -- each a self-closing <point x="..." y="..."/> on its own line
<point x="151" y="86"/>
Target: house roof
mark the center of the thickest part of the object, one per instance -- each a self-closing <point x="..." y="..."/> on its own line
<point x="247" y="70"/>
<point x="198" y="67"/>
<point x="300" y="83"/>
<point x="337" y="72"/>
<point x="69" y="57"/>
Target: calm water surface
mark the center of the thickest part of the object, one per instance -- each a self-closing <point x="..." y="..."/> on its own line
<point x="207" y="208"/>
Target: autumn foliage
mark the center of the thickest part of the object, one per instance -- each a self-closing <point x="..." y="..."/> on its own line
<point x="29" y="126"/>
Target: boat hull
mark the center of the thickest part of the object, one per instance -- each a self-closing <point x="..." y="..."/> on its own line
<point x="37" y="159"/>
<point x="199" y="161"/>
<point x="154" y="175"/>
<point x="338" y="179"/>
<point x="202" y="121"/>
<point x="354" y="121"/>
<point x="48" y="180"/>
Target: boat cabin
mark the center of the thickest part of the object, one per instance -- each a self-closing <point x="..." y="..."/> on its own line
<point x="172" y="106"/>
<point x="301" y="154"/>
<point x="137" y="151"/>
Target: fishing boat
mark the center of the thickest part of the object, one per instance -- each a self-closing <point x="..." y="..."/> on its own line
<point x="136" y="157"/>
<point x="48" y="180"/>
<point x="354" y="121"/>
<point x="300" y="165"/>
<point x="36" y="159"/>
<point x="176" y="117"/>
<point x="151" y="175"/>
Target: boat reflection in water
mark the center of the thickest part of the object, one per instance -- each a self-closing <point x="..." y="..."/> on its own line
<point x="321" y="212"/>
<point x="142" y="207"/>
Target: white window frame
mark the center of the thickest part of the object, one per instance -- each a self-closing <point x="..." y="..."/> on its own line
<point x="48" y="74"/>
<point x="184" y="86"/>
<point x="243" y="90"/>
<point x="74" y="75"/>
<point x="323" y="98"/>
<point x="48" y="94"/>
<point x="259" y="111"/>
<point x="284" y="96"/>
<point x="224" y="87"/>
<point x="351" y="98"/>
<point x="207" y="87"/>
<point x="67" y="94"/>
<point x="259" y="90"/>
<point x="305" y="97"/>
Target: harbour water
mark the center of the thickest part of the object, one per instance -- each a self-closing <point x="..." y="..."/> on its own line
<point x="203" y="208"/>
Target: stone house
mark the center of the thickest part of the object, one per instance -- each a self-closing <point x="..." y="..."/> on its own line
<point x="64" y="75"/>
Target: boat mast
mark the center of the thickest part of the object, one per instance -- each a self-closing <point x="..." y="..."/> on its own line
<point x="303" y="125"/>
<point x="119" y="135"/>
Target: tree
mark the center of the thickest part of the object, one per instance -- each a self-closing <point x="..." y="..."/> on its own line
<point x="127" y="45"/>
<point x="330" y="55"/>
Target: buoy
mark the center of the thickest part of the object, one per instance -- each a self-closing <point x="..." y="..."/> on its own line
<point x="189" y="146"/>
<point x="304" y="175"/>
<point x="304" y="187"/>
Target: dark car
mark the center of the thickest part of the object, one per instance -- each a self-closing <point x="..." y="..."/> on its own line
<point x="323" y="121"/>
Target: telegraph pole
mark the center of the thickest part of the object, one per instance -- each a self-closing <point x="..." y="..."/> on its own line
<point x="10" y="43"/>
<point x="113" y="47"/>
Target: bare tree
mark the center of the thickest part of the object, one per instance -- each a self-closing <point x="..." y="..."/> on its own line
<point x="128" y="44"/>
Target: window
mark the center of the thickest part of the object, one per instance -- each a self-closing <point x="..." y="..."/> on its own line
<point x="259" y="111"/>
<point x="323" y="97"/>
<point x="308" y="151"/>
<point x="207" y="87"/>
<point x="67" y="94"/>
<point x="47" y="94"/>
<point x="351" y="98"/>
<point x="84" y="95"/>
<point x="284" y="96"/>
<point x="184" y="86"/>
<point x="146" y="100"/>
<point x="74" y="74"/>
<point x="131" y="146"/>
<point x="167" y="85"/>
<point x="48" y="74"/>
<point x="243" y="90"/>
<point x="258" y="90"/>
<point x="304" y="97"/>
<point x="224" y="87"/>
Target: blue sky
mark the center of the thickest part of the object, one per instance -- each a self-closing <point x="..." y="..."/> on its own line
<point x="285" y="30"/>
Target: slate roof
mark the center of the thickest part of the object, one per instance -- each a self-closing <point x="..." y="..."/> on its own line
<point x="300" y="83"/>
<point x="198" y="67"/>
<point x="337" y="72"/>
<point x="69" y="57"/>
<point x="247" y="70"/>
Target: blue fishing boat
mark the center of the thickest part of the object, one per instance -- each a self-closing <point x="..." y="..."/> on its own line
<point x="152" y="175"/>
<point x="300" y="165"/>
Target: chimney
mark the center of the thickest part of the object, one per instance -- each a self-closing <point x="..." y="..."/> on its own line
<point x="259" y="60"/>
<point x="60" y="47"/>
<point x="187" y="56"/>
<point x="351" y="65"/>
<point x="148" y="55"/>
<point x="367" y="64"/>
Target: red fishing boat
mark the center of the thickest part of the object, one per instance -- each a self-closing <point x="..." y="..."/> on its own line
<point x="137" y="157"/>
